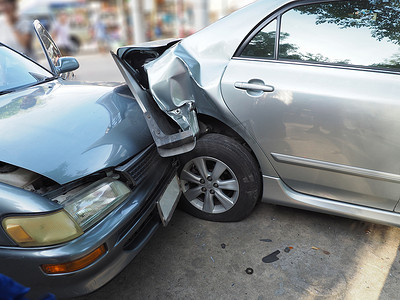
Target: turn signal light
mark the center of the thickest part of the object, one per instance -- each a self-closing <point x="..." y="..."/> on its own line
<point x="75" y="265"/>
<point x="19" y="234"/>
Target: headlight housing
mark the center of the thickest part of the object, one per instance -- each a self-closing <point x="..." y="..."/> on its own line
<point x="42" y="230"/>
<point x="94" y="202"/>
<point x="81" y="210"/>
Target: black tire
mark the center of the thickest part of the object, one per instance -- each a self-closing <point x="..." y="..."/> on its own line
<point x="214" y="194"/>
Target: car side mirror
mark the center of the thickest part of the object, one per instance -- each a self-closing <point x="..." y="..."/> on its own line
<point x="66" y="64"/>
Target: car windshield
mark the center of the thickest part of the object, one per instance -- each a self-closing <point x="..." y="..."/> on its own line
<point x="17" y="71"/>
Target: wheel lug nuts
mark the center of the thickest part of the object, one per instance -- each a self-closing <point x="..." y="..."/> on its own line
<point x="202" y="181"/>
<point x="215" y="185"/>
<point x="209" y="178"/>
<point x="203" y="189"/>
<point x="212" y="192"/>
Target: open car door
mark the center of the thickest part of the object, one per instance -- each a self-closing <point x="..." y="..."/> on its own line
<point x="170" y="136"/>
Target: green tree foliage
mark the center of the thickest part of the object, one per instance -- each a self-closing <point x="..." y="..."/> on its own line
<point x="382" y="17"/>
<point x="263" y="45"/>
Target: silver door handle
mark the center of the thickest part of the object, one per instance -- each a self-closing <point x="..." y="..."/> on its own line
<point x="254" y="86"/>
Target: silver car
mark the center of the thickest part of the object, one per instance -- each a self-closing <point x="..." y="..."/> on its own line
<point x="291" y="102"/>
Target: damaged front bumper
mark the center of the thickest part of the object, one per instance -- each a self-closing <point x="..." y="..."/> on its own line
<point x="121" y="234"/>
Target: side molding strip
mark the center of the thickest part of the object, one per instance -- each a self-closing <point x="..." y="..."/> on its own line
<point x="277" y="192"/>
<point x="327" y="166"/>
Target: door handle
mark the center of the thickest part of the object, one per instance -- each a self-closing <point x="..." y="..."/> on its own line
<point x="254" y="86"/>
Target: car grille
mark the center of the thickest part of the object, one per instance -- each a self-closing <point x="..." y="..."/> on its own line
<point x="158" y="172"/>
<point x="142" y="165"/>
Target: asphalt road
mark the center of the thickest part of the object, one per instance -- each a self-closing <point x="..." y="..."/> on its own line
<point x="276" y="253"/>
<point x="312" y="256"/>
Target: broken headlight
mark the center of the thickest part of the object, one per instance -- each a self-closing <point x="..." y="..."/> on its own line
<point x="94" y="202"/>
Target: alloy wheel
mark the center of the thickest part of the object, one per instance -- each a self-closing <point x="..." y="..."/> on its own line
<point x="209" y="184"/>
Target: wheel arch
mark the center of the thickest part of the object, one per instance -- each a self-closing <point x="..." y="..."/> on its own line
<point x="210" y="124"/>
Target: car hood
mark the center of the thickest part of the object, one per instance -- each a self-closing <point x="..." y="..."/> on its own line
<point x="67" y="130"/>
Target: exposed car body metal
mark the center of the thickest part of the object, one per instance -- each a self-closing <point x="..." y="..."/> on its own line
<point x="169" y="143"/>
<point x="266" y="102"/>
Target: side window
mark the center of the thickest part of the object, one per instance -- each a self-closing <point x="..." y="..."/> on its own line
<point x="263" y="44"/>
<point x="364" y="33"/>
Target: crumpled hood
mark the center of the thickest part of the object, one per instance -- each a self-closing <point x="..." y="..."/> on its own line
<point x="65" y="130"/>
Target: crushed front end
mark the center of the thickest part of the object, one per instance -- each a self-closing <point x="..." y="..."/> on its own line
<point x="111" y="233"/>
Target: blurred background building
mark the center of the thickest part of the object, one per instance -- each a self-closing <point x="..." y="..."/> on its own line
<point x="106" y="24"/>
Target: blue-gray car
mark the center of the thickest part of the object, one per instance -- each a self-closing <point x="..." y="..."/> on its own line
<point x="82" y="187"/>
